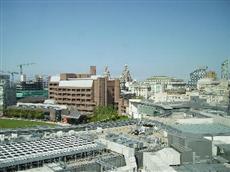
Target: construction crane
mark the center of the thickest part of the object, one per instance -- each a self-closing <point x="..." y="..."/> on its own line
<point x="21" y="65"/>
<point x="12" y="74"/>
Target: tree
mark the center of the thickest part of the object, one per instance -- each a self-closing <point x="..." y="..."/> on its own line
<point x="24" y="113"/>
<point x="104" y="113"/>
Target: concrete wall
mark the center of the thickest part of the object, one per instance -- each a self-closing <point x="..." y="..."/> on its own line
<point x="219" y="139"/>
<point x="139" y="159"/>
<point x="133" y="108"/>
<point x="92" y="168"/>
<point x="169" y="156"/>
<point x="153" y="163"/>
<point x="100" y="92"/>
<point x="202" y="148"/>
<point x="195" y="121"/>
<point x="191" y="149"/>
<point x="129" y="154"/>
<point x="186" y="157"/>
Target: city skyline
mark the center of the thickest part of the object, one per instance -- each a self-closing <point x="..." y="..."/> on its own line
<point x="163" y="38"/>
<point x="115" y="85"/>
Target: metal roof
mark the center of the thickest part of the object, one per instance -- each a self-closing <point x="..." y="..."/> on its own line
<point x="204" y="129"/>
<point x="77" y="83"/>
<point x="151" y="103"/>
<point x="31" y="151"/>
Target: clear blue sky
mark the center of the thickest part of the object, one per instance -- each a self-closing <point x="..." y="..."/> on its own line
<point x="152" y="37"/>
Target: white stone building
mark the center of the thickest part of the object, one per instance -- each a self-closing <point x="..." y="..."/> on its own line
<point x="158" y="85"/>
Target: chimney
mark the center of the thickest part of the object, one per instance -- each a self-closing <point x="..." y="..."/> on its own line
<point x="93" y="70"/>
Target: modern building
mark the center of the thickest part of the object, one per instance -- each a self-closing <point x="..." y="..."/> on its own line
<point x="148" y="108"/>
<point x="32" y="88"/>
<point x="53" y="112"/>
<point x="84" y="91"/>
<point x="31" y="85"/>
<point x="189" y="149"/>
<point x="225" y="70"/>
<point x="7" y="92"/>
<point x="196" y="75"/>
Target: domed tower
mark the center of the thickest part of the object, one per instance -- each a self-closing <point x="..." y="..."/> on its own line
<point x="125" y="77"/>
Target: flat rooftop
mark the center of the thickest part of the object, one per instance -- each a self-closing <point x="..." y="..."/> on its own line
<point x="203" y="129"/>
<point x="202" y="168"/>
<point x="125" y="140"/>
<point x="81" y="127"/>
<point x="33" y="151"/>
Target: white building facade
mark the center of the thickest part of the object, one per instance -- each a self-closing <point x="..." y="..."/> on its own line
<point x="160" y="88"/>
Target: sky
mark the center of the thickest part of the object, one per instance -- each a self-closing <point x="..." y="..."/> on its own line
<point x="152" y="37"/>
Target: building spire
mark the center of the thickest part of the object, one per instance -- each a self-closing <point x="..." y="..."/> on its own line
<point x="107" y="72"/>
<point x="126" y="76"/>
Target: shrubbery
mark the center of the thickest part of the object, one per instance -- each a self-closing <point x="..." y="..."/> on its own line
<point x="24" y="113"/>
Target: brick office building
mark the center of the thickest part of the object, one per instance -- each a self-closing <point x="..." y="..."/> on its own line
<point x="84" y="91"/>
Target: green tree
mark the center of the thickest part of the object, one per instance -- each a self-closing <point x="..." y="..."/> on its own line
<point x="104" y="113"/>
<point x="24" y="113"/>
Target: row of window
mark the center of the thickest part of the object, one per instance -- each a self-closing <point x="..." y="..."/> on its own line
<point x="74" y="100"/>
<point x="74" y="95"/>
<point x="53" y="84"/>
<point x="69" y="89"/>
<point x="68" y="94"/>
<point x="74" y="90"/>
